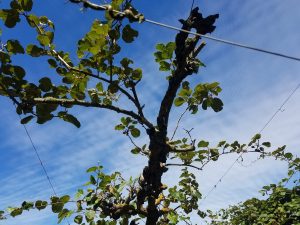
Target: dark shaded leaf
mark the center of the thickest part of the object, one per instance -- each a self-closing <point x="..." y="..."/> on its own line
<point x="129" y="34"/>
<point x="16" y="212"/>
<point x="78" y="219"/>
<point x="26" y="119"/>
<point x="71" y="119"/>
<point x="203" y="144"/>
<point x="10" y="17"/>
<point x="35" y="51"/>
<point x="135" y="132"/>
<point x="26" y="5"/>
<point x="179" y="101"/>
<point x="14" y="47"/>
<point x="45" y="84"/>
<point x="41" y="204"/>
<point x="135" y="150"/>
<point x="217" y="104"/>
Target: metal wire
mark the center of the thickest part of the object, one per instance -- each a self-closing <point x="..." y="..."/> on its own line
<point x="41" y="162"/>
<point x="39" y="158"/>
<point x="105" y="7"/>
<point x="261" y="130"/>
<point x="224" y="41"/>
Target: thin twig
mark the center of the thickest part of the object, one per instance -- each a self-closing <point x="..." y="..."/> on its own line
<point x="184" y="165"/>
<point x="178" y="122"/>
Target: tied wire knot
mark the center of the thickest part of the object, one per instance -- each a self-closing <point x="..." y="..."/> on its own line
<point x="130" y="13"/>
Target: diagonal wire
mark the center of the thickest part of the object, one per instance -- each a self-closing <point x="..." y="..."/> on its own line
<point x="105" y="7"/>
<point x="192" y="6"/>
<point x="280" y="109"/>
<point x="40" y="160"/>
<point x="224" y="41"/>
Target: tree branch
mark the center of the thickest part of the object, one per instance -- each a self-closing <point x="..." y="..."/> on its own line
<point x="187" y="165"/>
<point x="70" y="68"/>
<point x="184" y="50"/>
<point x="178" y="122"/>
<point x="109" y="81"/>
<point x="9" y="95"/>
<point x="50" y="100"/>
<point x="190" y="149"/>
<point x="90" y="4"/>
<point x="137" y="102"/>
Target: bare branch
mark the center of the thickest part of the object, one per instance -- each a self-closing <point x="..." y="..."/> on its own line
<point x="184" y="165"/>
<point x="91" y="5"/>
<point x="178" y="122"/>
<point x="190" y="149"/>
<point x="137" y="101"/>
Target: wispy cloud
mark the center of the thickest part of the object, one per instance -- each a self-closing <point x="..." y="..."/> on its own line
<point x="254" y="87"/>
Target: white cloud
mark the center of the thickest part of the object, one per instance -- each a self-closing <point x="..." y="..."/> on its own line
<point x="254" y="87"/>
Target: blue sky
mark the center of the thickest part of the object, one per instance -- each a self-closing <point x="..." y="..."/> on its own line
<point x="254" y="86"/>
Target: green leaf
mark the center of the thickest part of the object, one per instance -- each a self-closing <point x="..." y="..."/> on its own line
<point x="179" y="101"/>
<point x="113" y="87"/>
<point x="135" y="150"/>
<point x="26" y="119"/>
<point x="288" y="155"/>
<point x="41" y="119"/>
<point x="93" y="180"/>
<point x="52" y="63"/>
<point x="79" y="193"/>
<point x="204" y="104"/>
<point x="126" y="121"/>
<point x="45" y="84"/>
<point x="27" y="205"/>
<point x="217" y="104"/>
<point x="135" y="132"/>
<point x="99" y="87"/>
<point x="137" y="74"/>
<point x="256" y="137"/>
<point x="10" y="17"/>
<point x="35" y="51"/>
<point x="41" y="204"/>
<point x="173" y="218"/>
<point x="160" y="47"/>
<point x="64" y="214"/>
<point x="129" y="34"/>
<point x="92" y="169"/>
<point x="213" y="85"/>
<point x="15" y="5"/>
<point x="203" y="144"/>
<point x="221" y="143"/>
<point x="78" y="219"/>
<point x="16" y="212"/>
<point x="14" y="47"/>
<point x="65" y="199"/>
<point x="164" y="66"/>
<point x="120" y="127"/>
<point x="170" y="47"/>
<point x="32" y="20"/>
<point x="45" y="39"/>
<point x="266" y="144"/>
<point x="71" y="119"/>
<point x="26" y="5"/>
<point x="90" y="215"/>
<point x="57" y="205"/>
<point x="214" y="154"/>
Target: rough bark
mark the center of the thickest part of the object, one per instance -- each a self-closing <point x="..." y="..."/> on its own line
<point x="185" y="54"/>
